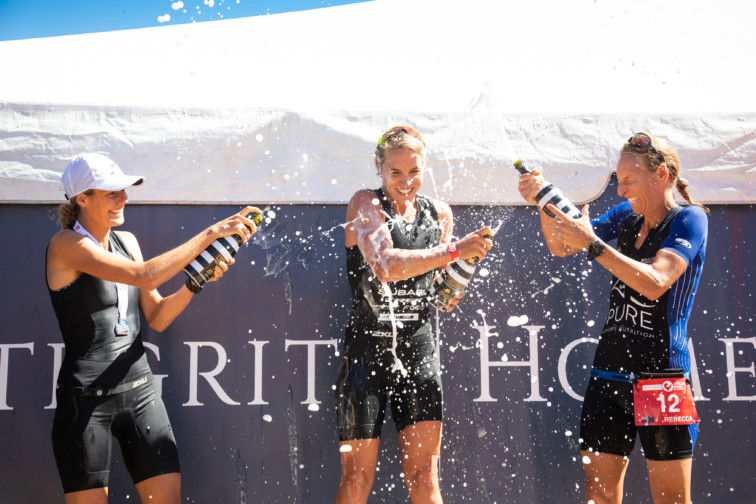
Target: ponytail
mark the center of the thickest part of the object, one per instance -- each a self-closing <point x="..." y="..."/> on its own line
<point x="682" y="187"/>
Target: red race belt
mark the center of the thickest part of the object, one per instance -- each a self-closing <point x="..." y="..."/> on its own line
<point x="663" y="399"/>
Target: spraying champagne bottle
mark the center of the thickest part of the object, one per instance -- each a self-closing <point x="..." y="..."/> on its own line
<point x="453" y="279"/>
<point x="549" y="193"/>
<point x="201" y="269"/>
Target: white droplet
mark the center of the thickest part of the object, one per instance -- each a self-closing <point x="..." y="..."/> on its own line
<point x="591" y="323"/>
<point x="259" y="137"/>
<point x="586" y="459"/>
<point x="268" y="418"/>
<point x="568" y="433"/>
<point x="313" y="407"/>
<point x="345" y="448"/>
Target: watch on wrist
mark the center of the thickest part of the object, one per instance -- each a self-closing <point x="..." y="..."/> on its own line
<point x="193" y="287"/>
<point x="595" y="249"/>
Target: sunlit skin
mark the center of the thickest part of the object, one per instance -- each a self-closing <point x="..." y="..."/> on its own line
<point x="104" y="210"/>
<point x="402" y="175"/>
<point x="650" y="194"/>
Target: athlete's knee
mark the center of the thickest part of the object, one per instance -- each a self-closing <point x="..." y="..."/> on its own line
<point x="356" y="480"/>
<point x="421" y="478"/>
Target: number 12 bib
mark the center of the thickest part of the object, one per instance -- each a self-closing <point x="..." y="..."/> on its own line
<point x="663" y="401"/>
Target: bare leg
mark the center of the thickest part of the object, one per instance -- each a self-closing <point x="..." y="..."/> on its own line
<point x="670" y="480"/>
<point x="421" y="445"/>
<point x="605" y="477"/>
<point x="163" y="489"/>
<point x="93" y="496"/>
<point x="357" y="470"/>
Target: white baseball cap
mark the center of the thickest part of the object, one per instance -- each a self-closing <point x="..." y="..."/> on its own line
<point x="95" y="171"/>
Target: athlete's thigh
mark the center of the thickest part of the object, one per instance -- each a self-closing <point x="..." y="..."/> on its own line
<point x="92" y="496"/>
<point x="418" y="396"/>
<point x="146" y="437"/>
<point x="359" y="455"/>
<point x="668" y="442"/>
<point x="420" y="444"/>
<point x="607" y="424"/>
<point x="361" y="399"/>
<point x="670" y="480"/>
<point x="165" y="489"/>
<point x="82" y="442"/>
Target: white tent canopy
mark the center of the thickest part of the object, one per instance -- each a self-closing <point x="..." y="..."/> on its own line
<point x="287" y="108"/>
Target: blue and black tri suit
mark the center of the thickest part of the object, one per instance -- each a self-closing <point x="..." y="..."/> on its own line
<point x="105" y="388"/>
<point x="643" y="335"/>
<point x="366" y="379"/>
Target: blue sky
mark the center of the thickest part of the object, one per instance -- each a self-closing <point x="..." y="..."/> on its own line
<point x="22" y="19"/>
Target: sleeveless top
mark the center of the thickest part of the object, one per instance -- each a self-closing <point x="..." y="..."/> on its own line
<point x="87" y="313"/>
<point x="641" y="334"/>
<point x="371" y="310"/>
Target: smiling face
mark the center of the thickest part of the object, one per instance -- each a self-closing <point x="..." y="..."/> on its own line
<point x="102" y="209"/>
<point x="644" y="189"/>
<point x="402" y="176"/>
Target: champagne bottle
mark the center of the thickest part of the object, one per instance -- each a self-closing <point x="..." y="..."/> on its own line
<point x="201" y="269"/>
<point x="549" y="193"/>
<point x="453" y="279"/>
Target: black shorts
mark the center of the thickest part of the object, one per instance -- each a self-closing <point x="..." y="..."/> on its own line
<point x="366" y="380"/>
<point x="84" y="426"/>
<point x="607" y="425"/>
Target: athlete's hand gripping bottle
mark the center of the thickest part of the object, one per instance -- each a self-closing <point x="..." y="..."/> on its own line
<point x="549" y="193"/>
<point x="453" y="279"/>
<point x="201" y="269"/>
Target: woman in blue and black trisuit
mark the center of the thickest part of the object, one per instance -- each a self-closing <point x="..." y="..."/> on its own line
<point x="656" y="266"/>
<point x="396" y="240"/>
<point x="98" y="284"/>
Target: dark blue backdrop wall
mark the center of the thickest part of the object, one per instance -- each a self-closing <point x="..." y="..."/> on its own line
<point x="247" y="371"/>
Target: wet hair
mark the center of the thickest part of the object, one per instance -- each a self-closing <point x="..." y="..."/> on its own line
<point x="664" y="153"/>
<point x="68" y="212"/>
<point x="400" y="141"/>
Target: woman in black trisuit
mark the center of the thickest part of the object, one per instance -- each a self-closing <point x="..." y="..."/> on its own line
<point x="98" y="283"/>
<point x="396" y="239"/>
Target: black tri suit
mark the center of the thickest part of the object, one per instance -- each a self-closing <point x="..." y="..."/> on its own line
<point x="105" y="388"/>
<point x="369" y="373"/>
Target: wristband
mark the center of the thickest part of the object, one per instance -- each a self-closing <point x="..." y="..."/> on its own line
<point x="193" y="287"/>
<point x="453" y="252"/>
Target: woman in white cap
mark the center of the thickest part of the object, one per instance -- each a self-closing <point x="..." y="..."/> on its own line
<point x="98" y="283"/>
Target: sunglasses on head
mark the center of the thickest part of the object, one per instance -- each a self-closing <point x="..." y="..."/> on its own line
<point x="643" y="141"/>
<point x="396" y="130"/>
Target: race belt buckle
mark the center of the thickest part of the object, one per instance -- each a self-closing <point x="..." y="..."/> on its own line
<point x="663" y="399"/>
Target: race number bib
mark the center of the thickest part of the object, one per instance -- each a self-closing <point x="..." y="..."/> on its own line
<point x="663" y="401"/>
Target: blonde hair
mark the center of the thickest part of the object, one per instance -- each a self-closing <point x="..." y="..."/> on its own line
<point x="68" y="212"/>
<point x="399" y="141"/>
<point x="666" y="154"/>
